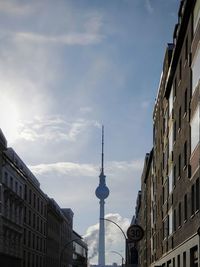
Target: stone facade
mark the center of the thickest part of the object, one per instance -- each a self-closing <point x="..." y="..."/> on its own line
<point x="34" y="230"/>
<point x="170" y="204"/>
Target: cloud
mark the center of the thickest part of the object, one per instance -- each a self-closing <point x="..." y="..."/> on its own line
<point x="145" y="104"/>
<point x="149" y="6"/>
<point x="114" y="239"/>
<point x="89" y="170"/>
<point x="73" y="38"/>
<point x="13" y="8"/>
<point x="66" y="168"/>
<point x="54" y="128"/>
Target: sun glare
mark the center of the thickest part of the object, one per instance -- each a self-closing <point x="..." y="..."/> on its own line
<point x="9" y="118"/>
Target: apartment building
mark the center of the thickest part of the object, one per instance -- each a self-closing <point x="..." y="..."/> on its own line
<point x="11" y="209"/>
<point x="66" y="238"/>
<point x="34" y="230"/>
<point x="35" y="216"/>
<point x="80" y="251"/>
<point x="144" y="213"/>
<point x="170" y="194"/>
<point x="54" y="221"/>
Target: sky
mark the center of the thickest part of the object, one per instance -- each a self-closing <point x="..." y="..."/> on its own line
<point x="66" y="68"/>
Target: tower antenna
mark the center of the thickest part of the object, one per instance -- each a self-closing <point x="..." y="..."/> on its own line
<point x="102" y="153"/>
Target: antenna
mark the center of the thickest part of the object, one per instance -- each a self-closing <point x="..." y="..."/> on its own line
<point x="102" y="153"/>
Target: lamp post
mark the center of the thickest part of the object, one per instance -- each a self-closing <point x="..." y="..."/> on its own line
<point x="125" y="237"/>
<point x="65" y="246"/>
<point x="119" y="255"/>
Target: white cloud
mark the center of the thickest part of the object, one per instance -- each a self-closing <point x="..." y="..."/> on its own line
<point x="145" y="104"/>
<point x="73" y="38"/>
<point x="114" y="238"/>
<point x="149" y="6"/>
<point x="66" y="168"/>
<point x="54" y="128"/>
<point x="14" y="8"/>
<point x="89" y="170"/>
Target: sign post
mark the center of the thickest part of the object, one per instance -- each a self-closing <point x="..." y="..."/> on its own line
<point x="135" y="233"/>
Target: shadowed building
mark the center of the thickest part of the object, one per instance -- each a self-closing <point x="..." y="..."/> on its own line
<point x="80" y="251"/>
<point x="174" y="200"/>
<point x="12" y="183"/>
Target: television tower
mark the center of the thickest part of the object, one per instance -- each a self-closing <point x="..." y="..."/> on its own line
<point x="102" y="192"/>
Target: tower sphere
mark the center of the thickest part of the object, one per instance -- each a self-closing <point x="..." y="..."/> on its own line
<point x="102" y="192"/>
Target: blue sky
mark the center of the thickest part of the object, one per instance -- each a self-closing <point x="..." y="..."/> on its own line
<point x="66" y="68"/>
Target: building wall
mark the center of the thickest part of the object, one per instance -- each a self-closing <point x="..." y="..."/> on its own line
<point x="80" y="251"/>
<point x="11" y="211"/>
<point x="30" y="236"/>
<point x="66" y="237"/>
<point x="54" y="221"/>
<point x="172" y="207"/>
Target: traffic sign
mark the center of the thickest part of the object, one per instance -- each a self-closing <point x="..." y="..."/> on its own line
<point x="135" y="233"/>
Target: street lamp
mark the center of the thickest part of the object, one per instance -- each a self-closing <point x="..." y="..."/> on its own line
<point x="125" y="237"/>
<point x="119" y="255"/>
<point x="66" y="245"/>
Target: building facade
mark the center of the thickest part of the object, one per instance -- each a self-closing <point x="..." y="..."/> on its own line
<point x="66" y="238"/>
<point x="170" y="205"/>
<point x="54" y="222"/>
<point x="34" y="230"/>
<point x="11" y="209"/>
<point x="80" y="251"/>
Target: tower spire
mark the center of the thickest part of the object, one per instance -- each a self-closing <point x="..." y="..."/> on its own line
<point x="102" y="153"/>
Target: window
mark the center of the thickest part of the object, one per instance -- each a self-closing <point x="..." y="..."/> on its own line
<point x="29" y="217"/>
<point x="186" y="48"/>
<point x="175" y="86"/>
<point x="179" y="214"/>
<point x="194" y="257"/>
<point x="185" y="207"/>
<point x="195" y="130"/>
<point x="165" y="228"/>
<point x="170" y="181"/>
<point x="20" y="191"/>
<point x="178" y="261"/>
<point x="6" y="178"/>
<point x="192" y="199"/>
<point x="16" y="187"/>
<point x="34" y="200"/>
<point x="185" y="153"/>
<point x="174" y="220"/>
<point x="195" y="70"/>
<point x="25" y="214"/>
<point x="30" y="196"/>
<point x="185" y="101"/>
<point x="170" y="222"/>
<point x="196" y="15"/>
<point x="197" y="194"/>
<point x="174" y="131"/>
<point x="184" y="259"/>
<point x="171" y="101"/>
<point x="180" y="69"/>
<point x="11" y="182"/>
<point x="170" y="142"/>
<point x="25" y="192"/>
<point x="179" y="118"/>
<point x="174" y="175"/>
<point x="179" y="165"/>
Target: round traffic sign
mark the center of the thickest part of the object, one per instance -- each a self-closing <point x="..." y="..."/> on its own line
<point x="135" y="233"/>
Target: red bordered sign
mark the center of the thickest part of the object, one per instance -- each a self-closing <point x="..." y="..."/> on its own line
<point x="135" y="233"/>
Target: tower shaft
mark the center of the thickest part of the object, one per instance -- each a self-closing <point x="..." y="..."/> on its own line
<point x="102" y="192"/>
<point x="101" y="259"/>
